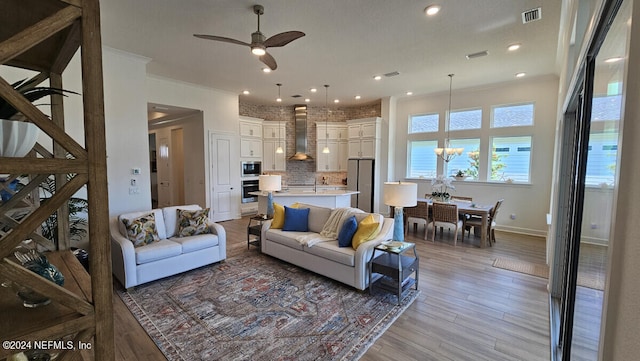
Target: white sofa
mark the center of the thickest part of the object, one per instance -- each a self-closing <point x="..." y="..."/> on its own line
<point x="343" y="264"/>
<point x="171" y="255"/>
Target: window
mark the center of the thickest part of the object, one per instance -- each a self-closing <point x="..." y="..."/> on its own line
<point x="422" y="159"/>
<point x="465" y="119"/>
<point x="468" y="161"/>
<point x="512" y="115"/>
<point x="510" y="159"/>
<point x="423" y="123"/>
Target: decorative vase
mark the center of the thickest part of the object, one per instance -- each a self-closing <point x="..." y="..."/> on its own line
<point x="17" y="138"/>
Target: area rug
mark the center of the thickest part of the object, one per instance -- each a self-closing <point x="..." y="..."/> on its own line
<point x="255" y="307"/>
<point x="542" y="270"/>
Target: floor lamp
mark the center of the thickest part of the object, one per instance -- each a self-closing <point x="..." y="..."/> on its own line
<point x="270" y="183"/>
<point x="398" y="195"/>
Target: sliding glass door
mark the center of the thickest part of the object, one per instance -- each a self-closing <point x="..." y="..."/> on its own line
<point x="587" y="186"/>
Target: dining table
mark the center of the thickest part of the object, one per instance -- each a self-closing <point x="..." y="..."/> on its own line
<point x="471" y="208"/>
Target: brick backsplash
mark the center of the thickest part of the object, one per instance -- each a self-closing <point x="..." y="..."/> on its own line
<point x="304" y="172"/>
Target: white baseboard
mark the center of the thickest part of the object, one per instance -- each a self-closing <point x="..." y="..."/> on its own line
<point x="525" y="231"/>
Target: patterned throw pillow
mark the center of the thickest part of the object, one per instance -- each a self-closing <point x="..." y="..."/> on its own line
<point x="191" y="223"/>
<point x="142" y="230"/>
<point x="367" y="230"/>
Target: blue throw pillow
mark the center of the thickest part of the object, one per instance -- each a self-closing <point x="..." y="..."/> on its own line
<point x="347" y="231"/>
<point x="296" y="219"/>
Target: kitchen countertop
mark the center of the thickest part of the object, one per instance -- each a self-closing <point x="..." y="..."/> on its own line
<point x="320" y="193"/>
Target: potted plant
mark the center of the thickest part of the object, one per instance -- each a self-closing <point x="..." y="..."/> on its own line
<point x="440" y="187"/>
<point x="17" y="137"/>
<point x="460" y="175"/>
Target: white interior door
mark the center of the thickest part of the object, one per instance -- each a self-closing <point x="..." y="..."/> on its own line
<point x="225" y="176"/>
<point x="164" y="173"/>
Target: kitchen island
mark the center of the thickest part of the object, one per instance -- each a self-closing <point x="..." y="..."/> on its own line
<point x="327" y="198"/>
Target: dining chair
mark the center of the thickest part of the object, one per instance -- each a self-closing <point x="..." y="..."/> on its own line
<point x="420" y="211"/>
<point x="476" y="221"/>
<point x="445" y="215"/>
<point x="463" y="217"/>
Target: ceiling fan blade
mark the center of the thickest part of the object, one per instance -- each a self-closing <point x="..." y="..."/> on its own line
<point x="283" y="38"/>
<point x="269" y="61"/>
<point x="221" y="38"/>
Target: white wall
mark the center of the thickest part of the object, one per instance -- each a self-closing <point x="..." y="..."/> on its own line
<point x="125" y="125"/>
<point x="529" y="202"/>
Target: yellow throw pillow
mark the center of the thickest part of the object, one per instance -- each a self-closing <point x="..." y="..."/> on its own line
<point x="278" y="216"/>
<point x="367" y="230"/>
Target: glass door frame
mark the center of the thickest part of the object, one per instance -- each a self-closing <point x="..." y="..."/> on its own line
<point x="570" y="199"/>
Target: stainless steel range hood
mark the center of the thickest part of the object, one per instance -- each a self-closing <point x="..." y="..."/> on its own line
<point x="302" y="152"/>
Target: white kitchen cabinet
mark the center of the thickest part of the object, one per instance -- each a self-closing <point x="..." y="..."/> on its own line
<point x="250" y="137"/>
<point x="272" y="161"/>
<point x="335" y="137"/>
<point x="364" y="137"/>
<point x="250" y="148"/>
<point x="251" y="129"/>
<point x="335" y="131"/>
<point x="274" y="131"/>
<point x="336" y="160"/>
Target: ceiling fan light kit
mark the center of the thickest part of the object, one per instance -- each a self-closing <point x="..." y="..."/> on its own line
<point x="259" y="43"/>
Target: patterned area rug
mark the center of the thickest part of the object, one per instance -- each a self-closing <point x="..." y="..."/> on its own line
<point x="542" y="270"/>
<point x="254" y="307"/>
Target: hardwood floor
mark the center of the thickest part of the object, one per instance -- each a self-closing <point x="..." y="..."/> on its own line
<point x="467" y="309"/>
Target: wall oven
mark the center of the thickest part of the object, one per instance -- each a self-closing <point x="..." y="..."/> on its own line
<point x="251" y="168"/>
<point x="247" y="187"/>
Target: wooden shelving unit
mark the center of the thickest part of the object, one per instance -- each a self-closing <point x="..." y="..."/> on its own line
<point x="43" y="36"/>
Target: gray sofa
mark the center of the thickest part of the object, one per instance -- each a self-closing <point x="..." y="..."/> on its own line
<point x="343" y="264"/>
<point x="171" y="255"/>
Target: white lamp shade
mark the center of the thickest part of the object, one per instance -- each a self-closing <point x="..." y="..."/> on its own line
<point x="400" y="194"/>
<point x="270" y="183"/>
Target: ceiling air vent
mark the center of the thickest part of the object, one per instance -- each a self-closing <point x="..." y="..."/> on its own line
<point x="531" y="15"/>
<point x="477" y="55"/>
<point x="393" y="73"/>
<point x="296" y="96"/>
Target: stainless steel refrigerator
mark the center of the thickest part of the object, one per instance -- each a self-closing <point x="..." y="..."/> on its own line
<point x="360" y="177"/>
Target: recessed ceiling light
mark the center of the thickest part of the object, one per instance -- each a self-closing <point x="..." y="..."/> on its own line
<point x="278" y="100"/>
<point x="313" y="90"/>
<point x="266" y="70"/>
<point x="307" y="100"/>
<point x="613" y="60"/>
<point x="513" y="47"/>
<point x="357" y="97"/>
<point x="377" y="77"/>
<point x="520" y="75"/>
<point x="336" y="100"/>
<point x="245" y="92"/>
<point x="432" y="10"/>
<point x="409" y="93"/>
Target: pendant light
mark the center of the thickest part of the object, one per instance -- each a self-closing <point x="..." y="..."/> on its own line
<point x="326" y="150"/>
<point x="448" y="153"/>
<point x="279" y="149"/>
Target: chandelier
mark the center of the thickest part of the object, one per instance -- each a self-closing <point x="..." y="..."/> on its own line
<point x="448" y="153"/>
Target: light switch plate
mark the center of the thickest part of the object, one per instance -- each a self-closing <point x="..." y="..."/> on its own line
<point x="135" y="171"/>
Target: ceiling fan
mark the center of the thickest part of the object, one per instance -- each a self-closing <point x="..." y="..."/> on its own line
<point x="259" y="43"/>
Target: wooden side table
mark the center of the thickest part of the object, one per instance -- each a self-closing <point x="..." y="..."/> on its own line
<point x="391" y="270"/>
<point x="254" y="230"/>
